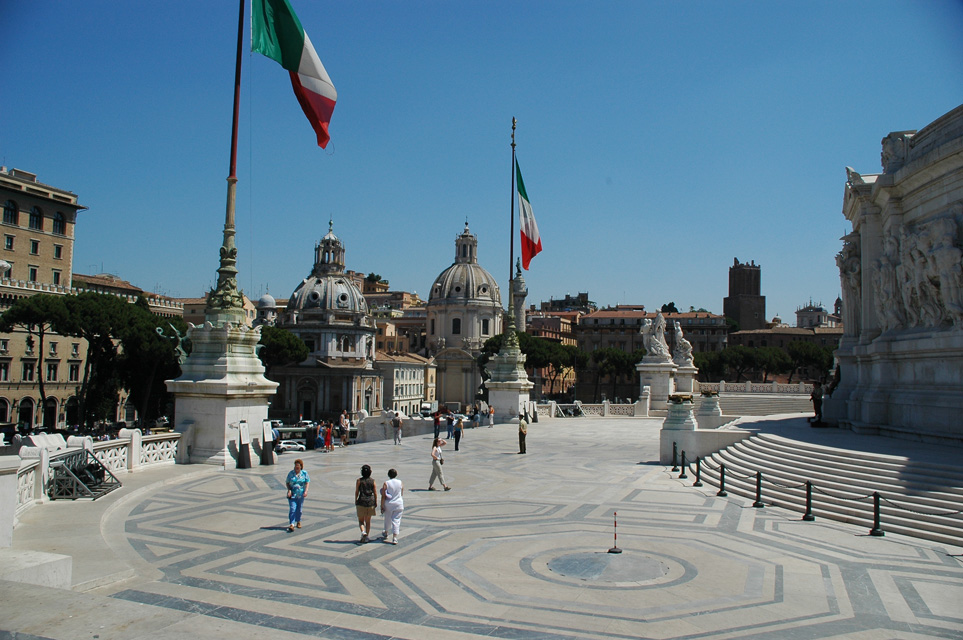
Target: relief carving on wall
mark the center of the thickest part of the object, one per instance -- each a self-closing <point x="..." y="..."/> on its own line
<point x="918" y="280"/>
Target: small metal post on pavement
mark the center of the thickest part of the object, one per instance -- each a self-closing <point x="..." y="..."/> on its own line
<point x="683" y="475"/>
<point x="876" y="530"/>
<point x="615" y="533"/>
<point x="698" y="480"/>
<point x="722" y="481"/>
<point x="808" y="516"/>
<point x="675" y="457"/>
<point x="758" y="503"/>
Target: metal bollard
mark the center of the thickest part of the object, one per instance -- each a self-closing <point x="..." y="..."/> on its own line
<point x="758" y="503"/>
<point x="722" y="481"/>
<point x="808" y="516"/>
<point x="876" y="530"/>
<point x="675" y="457"/>
<point x="698" y="480"/>
<point x="683" y="475"/>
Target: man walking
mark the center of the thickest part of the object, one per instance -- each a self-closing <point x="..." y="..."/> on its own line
<point x="522" y="432"/>
<point x="396" y="425"/>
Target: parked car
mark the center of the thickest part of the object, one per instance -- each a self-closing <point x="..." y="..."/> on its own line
<point x="289" y="445"/>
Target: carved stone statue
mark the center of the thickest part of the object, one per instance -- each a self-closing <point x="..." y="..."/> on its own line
<point x="653" y="338"/>
<point x="683" y="348"/>
<point x="889" y="305"/>
<point x="848" y="261"/>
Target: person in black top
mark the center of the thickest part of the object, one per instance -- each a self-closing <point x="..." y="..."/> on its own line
<point x="366" y="501"/>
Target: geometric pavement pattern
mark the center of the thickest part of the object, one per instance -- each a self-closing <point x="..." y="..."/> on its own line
<point x="519" y="550"/>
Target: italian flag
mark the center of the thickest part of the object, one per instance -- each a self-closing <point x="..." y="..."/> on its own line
<point x="277" y="33"/>
<point x="531" y="242"/>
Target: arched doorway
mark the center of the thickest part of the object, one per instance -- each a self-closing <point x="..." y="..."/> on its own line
<point x="50" y="414"/>
<point x="4" y="410"/>
<point x="72" y="411"/>
<point x="25" y="413"/>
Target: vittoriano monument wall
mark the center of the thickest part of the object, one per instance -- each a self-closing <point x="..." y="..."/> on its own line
<point x="901" y="269"/>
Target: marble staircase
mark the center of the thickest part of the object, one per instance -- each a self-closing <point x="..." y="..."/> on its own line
<point x="763" y="404"/>
<point x="922" y="499"/>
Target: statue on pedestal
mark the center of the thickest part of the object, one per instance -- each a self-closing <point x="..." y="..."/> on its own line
<point x="683" y="348"/>
<point x="653" y="339"/>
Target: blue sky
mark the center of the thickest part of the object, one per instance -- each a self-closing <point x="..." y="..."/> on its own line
<point x="658" y="140"/>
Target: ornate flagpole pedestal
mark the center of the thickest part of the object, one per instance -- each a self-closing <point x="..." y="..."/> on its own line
<point x="509" y="386"/>
<point x="222" y="381"/>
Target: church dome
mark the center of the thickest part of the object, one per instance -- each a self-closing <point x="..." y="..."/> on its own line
<point x="465" y="280"/>
<point x="267" y="301"/>
<point x="327" y="289"/>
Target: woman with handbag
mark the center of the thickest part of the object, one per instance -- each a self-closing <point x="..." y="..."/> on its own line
<point x="437" y="459"/>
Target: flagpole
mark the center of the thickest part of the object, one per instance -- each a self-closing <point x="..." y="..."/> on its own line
<point x="511" y="234"/>
<point x="225" y="303"/>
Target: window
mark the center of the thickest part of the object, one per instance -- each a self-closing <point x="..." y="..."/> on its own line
<point x="59" y="224"/>
<point x="8" y="243"/>
<point x="10" y="211"/>
<point x="432" y="326"/>
<point x="73" y="372"/>
<point x="29" y="345"/>
<point x="58" y="252"/>
<point x="52" y="371"/>
<point x="56" y="277"/>
<point x="4" y="345"/>
<point x="485" y="326"/>
<point x="53" y="348"/>
<point x="4" y="371"/>
<point x="32" y="274"/>
<point x="34" y="247"/>
<point x="456" y="326"/>
<point x="8" y="272"/>
<point x="75" y="349"/>
<point x="26" y="373"/>
<point x="36" y="219"/>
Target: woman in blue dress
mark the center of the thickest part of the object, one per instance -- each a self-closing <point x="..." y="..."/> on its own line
<point x="297" y="483"/>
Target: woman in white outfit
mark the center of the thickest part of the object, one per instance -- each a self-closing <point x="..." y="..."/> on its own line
<point x="392" y="505"/>
<point x="436" y="461"/>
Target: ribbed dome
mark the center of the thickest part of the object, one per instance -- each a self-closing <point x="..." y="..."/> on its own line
<point x="267" y="301"/>
<point x="327" y="289"/>
<point x="465" y="280"/>
<point x="328" y="293"/>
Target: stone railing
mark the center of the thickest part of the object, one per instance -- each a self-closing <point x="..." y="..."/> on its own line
<point x="754" y="387"/>
<point x="129" y="453"/>
<point x="603" y="410"/>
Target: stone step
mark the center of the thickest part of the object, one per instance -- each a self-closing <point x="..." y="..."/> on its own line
<point x="758" y="404"/>
<point x="916" y="500"/>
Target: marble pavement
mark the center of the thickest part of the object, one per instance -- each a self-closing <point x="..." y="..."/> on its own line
<point x="516" y="550"/>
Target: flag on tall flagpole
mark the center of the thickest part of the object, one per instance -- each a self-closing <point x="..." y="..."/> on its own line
<point x="276" y="32"/>
<point x="531" y="242"/>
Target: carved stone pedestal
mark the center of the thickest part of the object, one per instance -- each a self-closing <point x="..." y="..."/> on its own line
<point x="509" y="385"/>
<point x="221" y="385"/>
<point x="657" y="375"/>
<point x="685" y="379"/>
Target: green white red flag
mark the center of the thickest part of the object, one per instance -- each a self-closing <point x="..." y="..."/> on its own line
<point x="276" y="32"/>
<point x="531" y="242"/>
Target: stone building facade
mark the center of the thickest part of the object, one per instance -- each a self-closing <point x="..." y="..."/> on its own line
<point x="901" y="354"/>
<point x="38" y="246"/>
<point x="464" y="310"/>
<point x="329" y="313"/>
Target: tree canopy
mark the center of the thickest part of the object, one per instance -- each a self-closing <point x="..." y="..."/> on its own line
<point x="280" y="347"/>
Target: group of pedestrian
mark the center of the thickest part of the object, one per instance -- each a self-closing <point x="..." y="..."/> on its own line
<point x="365" y="500"/>
<point x="333" y="434"/>
<point x="392" y="491"/>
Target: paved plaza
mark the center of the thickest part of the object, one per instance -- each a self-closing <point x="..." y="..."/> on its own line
<point x="517" y="550"/>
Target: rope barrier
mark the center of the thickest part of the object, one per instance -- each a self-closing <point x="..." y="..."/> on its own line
<point x="920" y="513"/>
<point x="701" y="463"/>
<point x="832" y="495"/>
